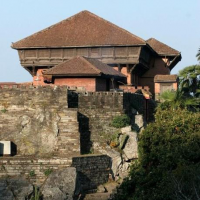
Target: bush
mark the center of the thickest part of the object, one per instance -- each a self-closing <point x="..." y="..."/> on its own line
<point x="48" y="171"/>
<point x="169" y="159"/>
<point x="32" y="173"/>
<point x="121" y="121"/>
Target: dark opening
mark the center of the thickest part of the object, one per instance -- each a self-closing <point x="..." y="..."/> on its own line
<point x="72" y="99"/>
<point x="85" y="134"/>
<point x="13" y="149"/>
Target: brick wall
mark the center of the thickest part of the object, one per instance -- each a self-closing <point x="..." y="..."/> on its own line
<point x="33" y="169"/>
<point x="88" y="83"/>
<point x="93" y="170"/>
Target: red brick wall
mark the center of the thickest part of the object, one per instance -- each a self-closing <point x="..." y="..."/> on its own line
<point x="88" y="83"/>
<point x="124" y="71"/>
<point x="159" y="67"/>
<point x="38" y="79"/>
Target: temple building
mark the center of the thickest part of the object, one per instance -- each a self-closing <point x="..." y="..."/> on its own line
<point x="86" y="50"/>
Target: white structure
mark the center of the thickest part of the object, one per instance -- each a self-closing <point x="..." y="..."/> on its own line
<point x="5" y="148"/>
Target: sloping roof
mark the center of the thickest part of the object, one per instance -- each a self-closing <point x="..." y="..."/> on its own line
<point x="166" y="78"/>
<point x="81" y="66"/>
<point x="161" y="48"/>
<point x="82" y="29"/>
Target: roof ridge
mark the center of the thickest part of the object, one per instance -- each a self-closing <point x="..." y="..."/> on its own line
<point x="162" y="43"/>
<point x="49" y="27"/>
<point x="58" y="65"/>
<point x="90" y="64"/>
<point x="69" y="18"/>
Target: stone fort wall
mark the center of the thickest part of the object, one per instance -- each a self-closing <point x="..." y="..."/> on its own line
<point x="54" y="124"/>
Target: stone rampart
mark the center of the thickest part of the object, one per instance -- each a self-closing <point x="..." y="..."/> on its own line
<point x="34" y="169"/>
<point x="36" y="119"/>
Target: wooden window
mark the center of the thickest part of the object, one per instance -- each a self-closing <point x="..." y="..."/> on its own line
<point x="107" y="51"/>
<point x="68" y="53"/>
<point x="30" y="53"/>
<point x="43" y="53"/>
<point x="120" y="51"/>
<point x="56" y="53"/>
<point x="133" y="51"/>
<point x="82" y="52"/>
<point x="94" y="52"/>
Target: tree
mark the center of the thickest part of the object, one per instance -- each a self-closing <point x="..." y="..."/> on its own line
<point x="198" y="55"/>
<point x="188" y="92"/>
<point x="190" y="80"/>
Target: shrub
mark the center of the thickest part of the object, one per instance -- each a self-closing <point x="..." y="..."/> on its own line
<point x="121" y="121"/>
<point x="32" y="173"/>
<point x="169" y="159"/>
<point x="48" y="171"/>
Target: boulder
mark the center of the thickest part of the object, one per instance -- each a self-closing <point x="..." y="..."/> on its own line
<point x="17" y="188"/>
<point x="20" y="187"/>
<point x="101" y="189"/>
<point x="139" y="121"/>
<point x="131" y="146"/>
<point x="126" y="129"/>
<point x="123" y="172"/>
<point x="61" y="184"/>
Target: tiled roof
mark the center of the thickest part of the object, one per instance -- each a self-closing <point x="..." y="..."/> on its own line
<point x="165" y="78"/>
<point x="161" y="48"/>
<point x="81" y="66"/>
<point x="82" y="29"/>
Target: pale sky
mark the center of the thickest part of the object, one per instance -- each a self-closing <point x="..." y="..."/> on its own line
<point x="173" y="22"/>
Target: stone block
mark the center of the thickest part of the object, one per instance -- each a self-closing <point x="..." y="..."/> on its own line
<point x="5" y="148"/>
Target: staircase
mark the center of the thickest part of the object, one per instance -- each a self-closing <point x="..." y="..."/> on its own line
<point x="110" y="190"/>
<point x="68" y="144"/>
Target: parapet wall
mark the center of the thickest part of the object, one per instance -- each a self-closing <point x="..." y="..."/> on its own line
<point x="32" y="96"/>
<point x="34" y="169"/>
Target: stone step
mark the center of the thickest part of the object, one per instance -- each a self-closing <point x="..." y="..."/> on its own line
<point x="68" y="130"/>
<point x="67" y="147"/>
<point x="71" y="137"/>
<point x="97" y="196"/>
<point x="68" y="134"/>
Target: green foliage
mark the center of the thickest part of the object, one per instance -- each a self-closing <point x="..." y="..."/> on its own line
<point x="48" y="171"/>
<point x="32" y="173"/>
<point x="121" y="121"/>
<point x="190" y="81"/>
<point x="188" y="92"/>
<point x="4" y="110"/>
<point x="37" y="194"/>
<point x="177" y="99"/>
<point x="190" y="71"/>
<point x="169" y="159"/>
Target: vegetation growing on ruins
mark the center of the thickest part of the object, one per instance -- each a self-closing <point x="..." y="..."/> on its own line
<point x="169" y="158"/>
<point x="121" y="121"/>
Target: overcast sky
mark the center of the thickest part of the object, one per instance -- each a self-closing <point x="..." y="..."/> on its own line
<point x="173" y="22"/>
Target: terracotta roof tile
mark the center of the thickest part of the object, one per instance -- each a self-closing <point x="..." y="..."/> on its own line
<point x="81" y="66"/>
<point x="161" y="48"/>
<point x="82" y="29"/>
<point x="165" y="78"/>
